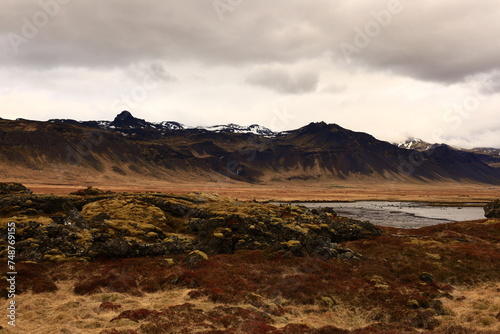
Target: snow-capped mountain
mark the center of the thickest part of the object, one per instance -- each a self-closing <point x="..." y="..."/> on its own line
<point x="489" y="155"/>
<point x="415" y="144"/>
<point x="126" y="121"/>
<point x="170" y="125"/>
<point x="235" y="128"/>
<point x="486" y="150"/>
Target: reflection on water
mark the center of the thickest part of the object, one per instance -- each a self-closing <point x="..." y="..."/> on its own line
<point x="402" y="214"/>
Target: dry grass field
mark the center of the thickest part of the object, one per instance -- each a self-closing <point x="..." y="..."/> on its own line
<point x="300" y="191"/>
<point x="64" y="312"/>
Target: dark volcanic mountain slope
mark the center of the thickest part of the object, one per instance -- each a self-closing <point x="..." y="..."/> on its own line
<point x="40" y="146"/>
<point x="488" y="155"/>
<point x="329" y="149"/>
<point x="135" y="148"/>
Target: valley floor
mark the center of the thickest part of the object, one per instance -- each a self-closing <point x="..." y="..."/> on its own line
<point x="299" y="191"/>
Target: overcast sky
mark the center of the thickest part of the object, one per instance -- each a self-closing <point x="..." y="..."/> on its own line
<point x="395" y="69"/>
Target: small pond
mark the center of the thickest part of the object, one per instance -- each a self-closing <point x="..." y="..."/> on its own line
<point x="402" y="214"/>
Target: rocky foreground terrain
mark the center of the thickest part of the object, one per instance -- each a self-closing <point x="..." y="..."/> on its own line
<point x="110" y="263"/>
<point x="56" y="228"/>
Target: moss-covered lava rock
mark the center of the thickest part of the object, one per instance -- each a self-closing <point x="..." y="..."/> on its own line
<point x="492" y="209"/>
<point x="13" y="188"/>
<point x="56" y="228"/>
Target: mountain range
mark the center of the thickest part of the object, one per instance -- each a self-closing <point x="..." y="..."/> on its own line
<point x="125" y="121"/>
<point x="131" y="148"/>
<point x="489" y="155"/>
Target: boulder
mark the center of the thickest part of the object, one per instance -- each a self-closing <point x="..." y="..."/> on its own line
<point x="492" y="209"/>
<point x="13" y="188"/>
<point x="138" y="215"/>
<point x="429" y="279"/>
<point x="89" y="191"/>
<point x="195" y="259"/>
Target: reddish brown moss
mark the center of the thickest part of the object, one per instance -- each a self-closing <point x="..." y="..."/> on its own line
<point x="136" y="315"/>
<point x="109" y="306"/>
<point x="34" y="277"/>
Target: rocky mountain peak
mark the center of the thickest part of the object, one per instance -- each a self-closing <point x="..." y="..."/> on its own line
<point x="126" y="120"/>
<point x="123" y="115"/>
<point x="415" y="144"/>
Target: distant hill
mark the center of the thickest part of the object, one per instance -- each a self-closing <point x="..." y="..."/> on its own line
<point x="488" y="155"/>
<point x="132" y="148"/>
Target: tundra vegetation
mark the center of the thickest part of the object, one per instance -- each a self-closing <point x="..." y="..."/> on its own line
<point x="110" y="263"/>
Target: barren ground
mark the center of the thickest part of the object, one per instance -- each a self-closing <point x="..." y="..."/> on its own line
<point x="300" y="191"/>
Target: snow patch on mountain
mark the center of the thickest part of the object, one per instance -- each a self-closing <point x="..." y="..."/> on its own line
<point x="235" y="128"/>
<point x="415" y="144"/>
<point x="125" y="120"/>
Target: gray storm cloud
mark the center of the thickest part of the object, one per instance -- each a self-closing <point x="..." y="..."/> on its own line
<point x="445" y="41"/>
<point x="114" y="33"/>
<point x="284" y="81"/>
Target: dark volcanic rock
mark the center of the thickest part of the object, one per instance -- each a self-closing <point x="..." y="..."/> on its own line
<point x="307" y="233"/>
<point x="13" y="188"/>
<point x="125" y="120"/>
<point x="57" y="228"/>
<point x="492" y="209"/>
<point x="90" y="191"/>
<point x="26" y="204"/>
<point x="74" y="217"/>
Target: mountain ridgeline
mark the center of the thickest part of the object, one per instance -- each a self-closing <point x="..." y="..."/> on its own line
<point x="132" y="148"/>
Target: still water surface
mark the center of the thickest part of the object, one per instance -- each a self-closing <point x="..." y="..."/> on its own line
<point x="402" y="214"/>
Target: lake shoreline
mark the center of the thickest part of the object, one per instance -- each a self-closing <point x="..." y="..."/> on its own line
<point x="431" y="203"/>
<point x="401" y="214"/>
